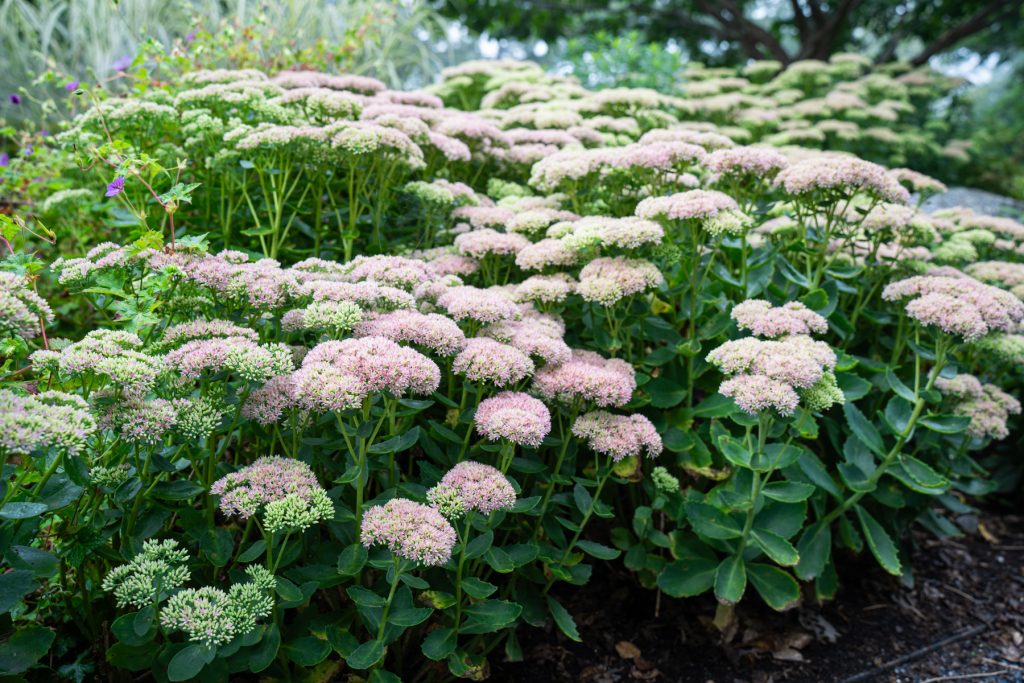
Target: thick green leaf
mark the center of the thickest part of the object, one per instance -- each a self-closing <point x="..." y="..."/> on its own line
<point x="879" y="542"/>
<point x="266" y="651"/>
<point x="24" y="648"/>
<point x="478" y="588"/>
<point x="364" y="597"/>
<point x="581" y="496"/>
<point x="188" y="662"/>
<point x="863" y="429"/>
<point x="307" y="651"/>
<point x="563" y="619"/>
<point x="923" y="474"/>
<point x="22" y="510"/>
<point x="731" y="580"/>
<point x="814" y="548"/>
<point x="490" y="616"/>
<point x="366" y="655"/>
<point x="180" y="489"/>
<point x="900" y="389"/>
<point x="601" y="552"/>
<point x="397" y="444"/>
<point x="14" y="586"/>
<point x="352" y="559"/>
<point x="711" y="522"/>
<point x="688" y="577"/>
<point x="734" y="451"/>
<point x="775" y="547"/>
<point x="775" y="586"/>
<point x="439" y="644"/>
<point x="788" y="491"/>
<point x="664" y="392"/>
<point x="946" y="424"/>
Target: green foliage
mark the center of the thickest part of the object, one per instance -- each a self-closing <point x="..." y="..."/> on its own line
<point x="368" y="388"/>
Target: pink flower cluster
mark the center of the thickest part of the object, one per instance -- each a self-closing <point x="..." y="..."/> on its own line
<point x="175" y="335"/>
<point x="689" y="205"/>
<point x="268" y="479"/>
<point x="412" y="531"/>
<point x="433" y="331"/>
<point x="488" y="361"/>
<point x="841" y="173"/>
<point x="237" y="355"/>
<point x="767" y="374"/>
<point x="618" y="436"/>
<point x="482" y="305"/>
<point x="959" y="306"/>
<point x="754" y="160"/>
<point x="988" y="406"/>
<point x="378" y="364"/>
<point x="480" y="488"/>
<point x="546" y="253"/>
<point x="764" y="320"/>
<point x="604" y="231"/>
<point x="610" y="279"/>
<point x="587" y="378"/>
<point x="535" y="335"/>
<point x="515" y="417"/>
<point x="488" y="242"/>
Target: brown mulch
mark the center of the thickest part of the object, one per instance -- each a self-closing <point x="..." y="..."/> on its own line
<point x="962" y="619"/>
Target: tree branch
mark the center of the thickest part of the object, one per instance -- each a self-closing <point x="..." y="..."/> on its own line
<point x="730" y="16"/>
<point x="982" y="19"/>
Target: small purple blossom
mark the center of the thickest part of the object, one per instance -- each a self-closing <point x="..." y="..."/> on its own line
<point x="121" y="63"/>
<point x="5" y="159"/>
<point x="115" y="187"/>
<point x="72" y="86"/>
<point x="14" y="99"/>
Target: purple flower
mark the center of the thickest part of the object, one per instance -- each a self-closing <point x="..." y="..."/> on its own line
<point x="14" y="99"/>
<point x="116" y="187"/>
<point x="27" y="151"/>
<point x="190" y="36"/>
<point x="71" y="86"/>
<point x="122" y="63"/>
<point x="5" y="159"/>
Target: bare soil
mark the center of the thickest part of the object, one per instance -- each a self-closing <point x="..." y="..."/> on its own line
<point x="962" y="619"/>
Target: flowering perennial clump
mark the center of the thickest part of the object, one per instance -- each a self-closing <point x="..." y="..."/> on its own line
<point x="385" y="290"/>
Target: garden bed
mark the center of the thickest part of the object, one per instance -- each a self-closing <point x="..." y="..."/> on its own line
<point x="967" y="590"/>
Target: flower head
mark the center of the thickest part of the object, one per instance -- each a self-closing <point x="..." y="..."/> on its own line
<point x="412" y="531"/>
<point x="960" y="306"/>
<point x="268" y="480"/>
<point x="489" y="361"/>
<point x="764" y="320"/>
<point x="589" y="378"/>
<point x="153" y="574"/>
<point x="115" y="187"/>
<point x="514" y="416"/>
<point x="618" y="436"/>
<point x="51" y="419"/>
<point x="478" y="487"/>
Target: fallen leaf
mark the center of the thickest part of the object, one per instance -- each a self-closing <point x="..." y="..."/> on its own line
<point x="788" y="654"/>
<point x="627" y="650"/>
<point x="986" y="534"/>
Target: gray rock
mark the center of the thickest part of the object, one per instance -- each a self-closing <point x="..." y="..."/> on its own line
<point x="977" y="200"/>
